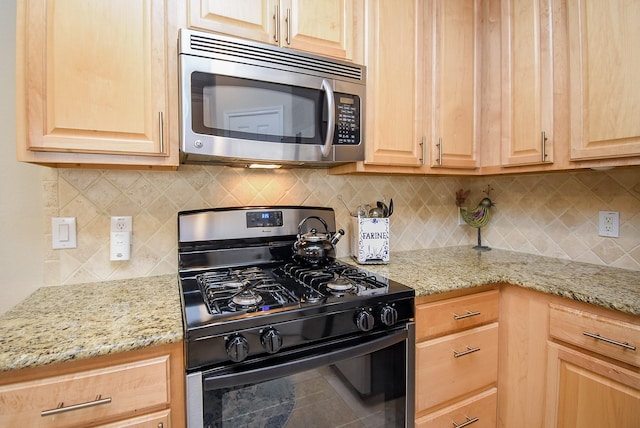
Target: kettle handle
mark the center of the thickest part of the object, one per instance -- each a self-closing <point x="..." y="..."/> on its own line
<point x="324" y="223"/>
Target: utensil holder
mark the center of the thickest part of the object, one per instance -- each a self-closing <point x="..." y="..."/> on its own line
<point x="370" y="240"/>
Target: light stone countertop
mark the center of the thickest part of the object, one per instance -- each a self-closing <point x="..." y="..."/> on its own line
<point x="72" y="322"/>
<point x="438" y="270"/>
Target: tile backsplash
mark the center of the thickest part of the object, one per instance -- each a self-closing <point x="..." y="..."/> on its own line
<point x="546" y="214"/>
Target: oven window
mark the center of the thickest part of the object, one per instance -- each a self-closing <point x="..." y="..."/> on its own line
<point x="365" y="391"/>
<point x="251" y="109"/>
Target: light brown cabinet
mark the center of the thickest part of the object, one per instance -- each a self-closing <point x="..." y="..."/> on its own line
<point x="394" y="83"/>
<point x="422" y="88"/>
<point x="453" y="82"/>
<point x="583" y="388"/>
<point x="604" y="58"/>
<point x="93" y="83"/>
<point x="136" y="389"/>
<point x="325" y="27"/>
<point x="457" y="359"/>
<point x="555" y="373"/>
<point x="527" y="82"/>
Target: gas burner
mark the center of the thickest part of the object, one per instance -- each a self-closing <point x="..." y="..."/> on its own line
<point x="246" y="299"/>
<point x="340" y="284"/>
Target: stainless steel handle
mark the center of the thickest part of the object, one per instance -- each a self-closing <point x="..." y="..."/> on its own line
<point x="423" y="149"/>
<point x="288" y="22"/>
<point x="276" y="19"/>
<point x="439" y="145"/>
<point x="331" y="122"/>
<point x="466" y="423"/>
<point x="160" y="425"/>
<point x="469" y="314"/>
<point x="596" y="336"/>
<point x="161" y="131"/>
<point x="544" y="147"/>
<point x="61" y="407"/>
<point x="470" y="350"/>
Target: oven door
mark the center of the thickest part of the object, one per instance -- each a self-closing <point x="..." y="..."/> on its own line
<point x="365" y="381"/>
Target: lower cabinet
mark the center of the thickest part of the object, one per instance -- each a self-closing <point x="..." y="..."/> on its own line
<point x="565" y="363"/>
<point x="457" y="360"/>
<point x="134" y="389"/>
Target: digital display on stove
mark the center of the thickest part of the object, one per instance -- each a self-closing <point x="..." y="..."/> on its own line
<point x="264" y="219"/>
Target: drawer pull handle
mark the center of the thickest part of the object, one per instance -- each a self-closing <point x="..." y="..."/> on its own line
<point x="61" y="407"/>
<point x="466" y="423"/>
<point x="469" y="350"/>
<point x="613" y="342"/>
<point x="469" y="314"/>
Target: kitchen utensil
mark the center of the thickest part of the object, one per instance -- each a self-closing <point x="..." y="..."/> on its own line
<point x="376" y="212"/>
<point x="384" y="208"/>
<point x="315" y="248"/>
<point x="346" y="206"/>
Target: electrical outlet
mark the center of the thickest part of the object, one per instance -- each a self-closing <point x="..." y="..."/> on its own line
<point x="609" y="224"/>
<point x="121" y="230"/>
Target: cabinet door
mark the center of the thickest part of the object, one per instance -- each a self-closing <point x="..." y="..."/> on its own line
<point x="586" y="392"/>
<point x="249" y="19"/>
<point x="394" y="82"/>
<point x="527" y="82"/>
<point x="326" y="27"/>
<point x="95" y="76"/>
<point x="454" y="30"/>
<point x="604" y="60"/>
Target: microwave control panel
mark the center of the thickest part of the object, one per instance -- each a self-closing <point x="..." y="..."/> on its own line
<point x="347" y="119"/>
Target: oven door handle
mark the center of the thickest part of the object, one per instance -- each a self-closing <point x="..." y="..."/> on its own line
<point x="263" y="374"/>
<point x="331" y="118"/>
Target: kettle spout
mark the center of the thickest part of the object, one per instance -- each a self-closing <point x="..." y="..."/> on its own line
<point x="337" y="236"/>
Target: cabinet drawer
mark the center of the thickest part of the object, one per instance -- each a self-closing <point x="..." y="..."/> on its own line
<point x="152" y="420"/>
<point x="438" y="318"/>
<point x="478" y="411"/>
<point x="453" y="365"/>
<point x="601" y="334"/>
<point x="88" y="397"/>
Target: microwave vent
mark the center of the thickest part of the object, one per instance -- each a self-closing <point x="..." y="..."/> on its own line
<point x="230" y="49"/>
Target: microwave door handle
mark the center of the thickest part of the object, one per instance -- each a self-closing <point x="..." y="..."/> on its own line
<point x="331" y="123"/>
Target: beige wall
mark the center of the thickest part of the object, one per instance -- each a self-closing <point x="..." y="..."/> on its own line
<point x="21" y="209"/>
<point x="547" y="214"/>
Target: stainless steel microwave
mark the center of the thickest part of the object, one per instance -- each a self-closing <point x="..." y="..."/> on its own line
<point x="244" y="102"/>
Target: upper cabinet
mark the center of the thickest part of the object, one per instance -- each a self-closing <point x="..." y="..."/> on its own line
<point x="92" y="83"/>
<point x="527" y="82"/>
<point x="604" y="59"/>
<point x="394" y="83"/>
<point x="453" y="90"/>
<point x="327" y="27"/>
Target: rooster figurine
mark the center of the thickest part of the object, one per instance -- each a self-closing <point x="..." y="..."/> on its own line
<point x="479" y="216"/>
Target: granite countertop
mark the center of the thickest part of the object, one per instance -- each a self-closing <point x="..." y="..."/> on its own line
<point x="434" y="271"/>
<point x="72" y="322"/>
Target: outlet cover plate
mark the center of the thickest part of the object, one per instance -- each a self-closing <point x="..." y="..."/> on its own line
<point x="609" y="224"/>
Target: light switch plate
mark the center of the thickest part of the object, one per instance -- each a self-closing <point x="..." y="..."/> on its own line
<point x="63" y="233"/>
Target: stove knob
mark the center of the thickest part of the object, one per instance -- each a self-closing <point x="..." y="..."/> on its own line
<point x="237" y="348"/>
<point x="271" y="340"/>
<point x="364" y="320"/>
<point x="388" y="316"/>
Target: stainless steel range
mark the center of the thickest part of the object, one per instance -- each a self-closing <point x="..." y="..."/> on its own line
<point x="274" y="338"/>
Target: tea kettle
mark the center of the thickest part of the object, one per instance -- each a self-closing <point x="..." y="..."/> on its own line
<point x="315" y="248"/>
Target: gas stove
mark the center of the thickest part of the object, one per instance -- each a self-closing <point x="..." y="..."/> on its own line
<point x="245" y="297"/>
